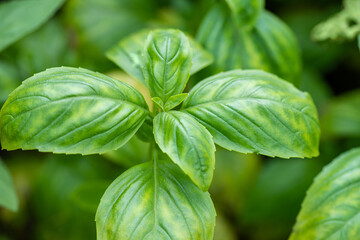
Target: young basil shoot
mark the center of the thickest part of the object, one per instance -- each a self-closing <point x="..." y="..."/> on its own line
<point x="77" y="111"/>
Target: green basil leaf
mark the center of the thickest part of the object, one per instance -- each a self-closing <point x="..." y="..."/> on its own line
<point x="341" y="117"/>
<point x="270" y="45"/>
<point x="8" y="198"/>
<point x="331" y="207"/>
<point x="19" y="18"/>
<point x="166" y="63"/>
<point x="188" y="144"/>
<point x="201" y="58"/>
<point x="175" y="101"/>
<point x="246" y="12"/>
<point x="158" y="102"/>
<point x="252" y="111"/>
<point x="155" y="200"/>
<point x="127" y="55"/>
<point x="70" y="110"/>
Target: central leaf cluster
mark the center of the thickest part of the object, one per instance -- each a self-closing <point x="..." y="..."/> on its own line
<point x="247" y="111"/>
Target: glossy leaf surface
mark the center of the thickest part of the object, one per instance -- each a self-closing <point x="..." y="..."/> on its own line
<point x="331" y="208"/>
<point x="153" y="201"/>
<point x="70" y="110"/>
<point x="18" y="18"/>
<point x="166" y="63"/>
<point x="188" y="144"/>
<point x="253" y="111"/>
<point x="270" y="45"/>
<point x="8" y="198"/>
<point x="158" y="102"/>
<point x="246" y="12"/>
<point x="175" y="101"/>
<point x="127" y="55"/>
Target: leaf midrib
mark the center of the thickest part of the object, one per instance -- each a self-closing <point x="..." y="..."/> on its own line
<point x="71" y="98"/>
<point x="225" y="101"/>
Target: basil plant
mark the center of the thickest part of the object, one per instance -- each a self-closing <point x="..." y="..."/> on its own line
<point x="77" y="111"/>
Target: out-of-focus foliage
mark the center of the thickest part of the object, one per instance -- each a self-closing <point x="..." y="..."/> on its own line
<point x="301" y="22"/>
<point x="270" y="45"/>
<point x="223" y="229"/>
<point x="110" y="21"/>
<point x="87" y="196"/>
<point x="234" y="175"/>
<point x="246" y="12"/>
<point x="132" y="153"/>
<point x="9" y="80"/>
<point x="19" y="18"/>
<point x="313" y="83"/>
<point x="341" y="117"/>
<point x="8" y="198"/>
<point x="331" y="207"/>
<point x="342" y="26"/>
<point x="60" y="212"/>
<point x="47" y="47"/>
<point x="274" y="201"/>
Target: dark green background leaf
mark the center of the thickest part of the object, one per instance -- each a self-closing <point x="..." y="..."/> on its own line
<point x="341" y="118"/>
<point x="87" y="196"/>
<point x="100" y="24"/>
<point x="19" y="18"/>
<point x="9" y="80"/>
<point x="270" y="45"/>
<point x="8" y="198"/>
<point x="246" y="12"/>
<point x="132" y="153"/>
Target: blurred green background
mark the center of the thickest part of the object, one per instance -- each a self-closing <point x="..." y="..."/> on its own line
<point x="257" y="198"/>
